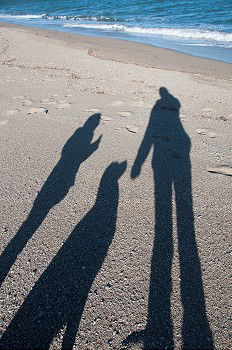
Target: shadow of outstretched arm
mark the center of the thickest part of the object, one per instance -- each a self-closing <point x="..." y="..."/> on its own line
<point x="143" y="151"/>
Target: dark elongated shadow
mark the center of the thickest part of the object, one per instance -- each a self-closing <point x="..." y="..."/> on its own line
<point x="76" y="150"/>
<point x="172" y="178"/>
<point x="58" y="298"/>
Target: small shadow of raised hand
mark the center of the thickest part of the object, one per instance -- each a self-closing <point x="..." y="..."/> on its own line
<point x="172" y="178"/>
<point x="76" y="150"/>
<point x="58" y="298"/>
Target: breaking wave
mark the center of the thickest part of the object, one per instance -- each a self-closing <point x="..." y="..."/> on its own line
<point x="193" y="34"/>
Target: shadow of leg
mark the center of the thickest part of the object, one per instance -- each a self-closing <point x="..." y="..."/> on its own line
<point x="159" y="329"/>
<point x="196" y="333"/>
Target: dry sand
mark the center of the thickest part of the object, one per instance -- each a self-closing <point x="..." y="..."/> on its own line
<point x="77" y="232"/>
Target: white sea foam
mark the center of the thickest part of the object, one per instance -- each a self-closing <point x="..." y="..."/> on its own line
<point x="193" y="34"/>
<point x="200" y="36"/>
<point x="61" y="17"/>
<point x="21" y="16"/>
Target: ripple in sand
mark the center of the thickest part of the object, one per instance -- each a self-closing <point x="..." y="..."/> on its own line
<point x="141" y="104"/>
<point x="104" y="118"/>
<point x="61" y="101"/>
<point x="11" y="112"/>
<point x="202" y="131"/>
<point x="125" y="114"/>
<point x="207" y="132"/>
<point x="62" y="105"/>
<point x="221" y="169"/>
<point x="116" y="103"/>
<point x="26" y="102"/>
<point x="3" y="122"/>
<point x="54" y="103"/>
<point x="212" y="134"/>
<point x="17" y="97"/>
<point x="132" y="128"/>
<point x="208" y="109"/>
<point x="36" y="110"/>
<point x="92" y="110"/>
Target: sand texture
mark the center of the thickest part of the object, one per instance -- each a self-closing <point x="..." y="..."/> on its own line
<point x="115" y="195"/>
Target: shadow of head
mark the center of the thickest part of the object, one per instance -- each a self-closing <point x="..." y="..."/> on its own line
<point x="93" y="121"/>
<point x="115" y="171"/>
<point x="168" y="101"/>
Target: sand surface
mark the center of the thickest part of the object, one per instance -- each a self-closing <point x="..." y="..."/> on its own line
<point x="115" y="194"/>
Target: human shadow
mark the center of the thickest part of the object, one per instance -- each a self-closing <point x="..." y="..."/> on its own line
<point x="172" y="178"/>
<point x="58" y="298"/>
<point x="76" y="150"/>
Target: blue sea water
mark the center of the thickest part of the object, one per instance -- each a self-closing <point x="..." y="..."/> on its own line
<point x="198" y="27"/>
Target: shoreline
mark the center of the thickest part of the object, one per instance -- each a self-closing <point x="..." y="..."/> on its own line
<point x="140" y="54"/>
<point x="218" y="53"/>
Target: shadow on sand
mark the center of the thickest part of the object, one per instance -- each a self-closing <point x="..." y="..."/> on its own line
<point x="172" y="178"/>
<point x="58" y="298"/>
<point x="76" y="150"/>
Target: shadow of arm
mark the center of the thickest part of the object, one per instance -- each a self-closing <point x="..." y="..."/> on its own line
<point x="143" y="152"/>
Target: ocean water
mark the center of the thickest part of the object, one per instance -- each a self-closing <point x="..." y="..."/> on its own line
<point x="198" y="27"/>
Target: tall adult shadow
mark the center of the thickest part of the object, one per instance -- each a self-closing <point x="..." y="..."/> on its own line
<point x="76" y="150"/>
<point x="172" y="178"/>
<point x="58" y="298"/>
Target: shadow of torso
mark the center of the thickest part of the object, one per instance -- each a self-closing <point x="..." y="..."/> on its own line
<point x="170" y="141"/>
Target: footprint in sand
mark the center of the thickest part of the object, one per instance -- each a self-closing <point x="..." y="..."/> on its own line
<point x="221" y="169"/>
<point x="11" y="112"/>
<point x="63" y="105"/>
<point x="206" y="132"/>
<point x="3" y="122"/>
<point x="132" y="128"/>
<point x="36" y="110"/>
<point x="26" y="102"/>
<point x="44" y="100"/>
<point x="93" y="110"/>
<point x="207" y="109"/>
<point x="125" y="114"/>
<point x="61" y="101"/>
<point x="20" y="97"/>
<point x="104" y="118"/>
<point x="116" y="103"/>
<point x="54" y="103"/>
<point x="141" y="104"/>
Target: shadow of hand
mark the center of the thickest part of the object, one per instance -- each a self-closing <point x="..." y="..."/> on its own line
<point x="94" y="146"/>
<point x="135" y="171"/>
<point x="134" y="338"/>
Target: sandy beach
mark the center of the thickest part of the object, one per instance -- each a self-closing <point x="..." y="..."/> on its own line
<point x="115" y="194"/>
